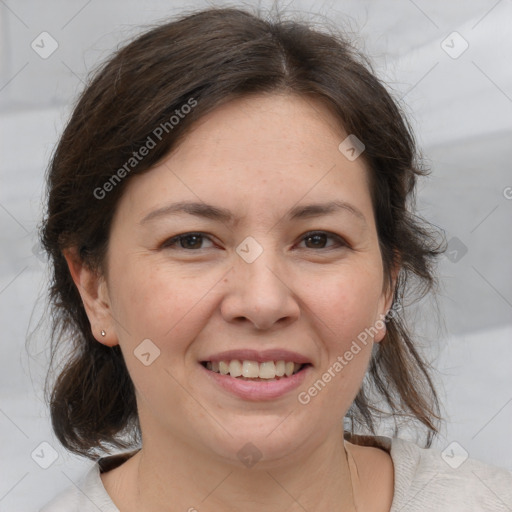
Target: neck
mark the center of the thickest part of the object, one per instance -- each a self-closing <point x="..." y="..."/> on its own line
<point x="181" y="477"/>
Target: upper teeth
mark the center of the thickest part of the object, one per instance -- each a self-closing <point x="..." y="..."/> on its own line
<point x="253" y="369"/>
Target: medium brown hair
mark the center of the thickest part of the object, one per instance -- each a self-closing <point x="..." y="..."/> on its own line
<point x="213" y="56"/>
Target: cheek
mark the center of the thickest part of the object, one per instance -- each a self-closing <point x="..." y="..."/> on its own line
<point x="161" y="303"/>
<point x="346" y="304"/>
<point x="170" y="309"/>
<point x="345" y="308"/>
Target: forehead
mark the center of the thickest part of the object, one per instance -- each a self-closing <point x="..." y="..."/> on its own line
<point x="274" y="126"/>
<point x="272" y="151"/>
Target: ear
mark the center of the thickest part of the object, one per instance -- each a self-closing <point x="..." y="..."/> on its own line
<point x="385" y="304"/>
<point x="94" y="293"/>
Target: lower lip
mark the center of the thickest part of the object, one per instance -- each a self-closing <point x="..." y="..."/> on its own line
<point x="258" y="390"/>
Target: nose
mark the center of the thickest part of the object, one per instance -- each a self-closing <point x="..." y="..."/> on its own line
<point x="259" y="293"/>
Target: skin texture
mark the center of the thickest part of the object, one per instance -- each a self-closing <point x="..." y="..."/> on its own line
<point x="259" y="157"/>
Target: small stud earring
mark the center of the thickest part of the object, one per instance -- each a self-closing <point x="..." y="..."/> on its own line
<point x="103" y="333"/>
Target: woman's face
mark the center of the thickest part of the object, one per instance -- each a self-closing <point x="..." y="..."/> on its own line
<point x="265" y="276"/>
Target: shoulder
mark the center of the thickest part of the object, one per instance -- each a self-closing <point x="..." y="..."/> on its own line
<point x="88" y="495"/>
<point x="426" y="479"/>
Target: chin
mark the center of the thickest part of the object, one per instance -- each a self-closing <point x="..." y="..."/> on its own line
<point x="267" y="441"/>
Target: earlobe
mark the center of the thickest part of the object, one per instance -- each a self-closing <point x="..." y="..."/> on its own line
<point x="94" y="293"/>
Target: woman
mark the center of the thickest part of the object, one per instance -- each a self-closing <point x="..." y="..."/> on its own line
<point x="229" y="225"/>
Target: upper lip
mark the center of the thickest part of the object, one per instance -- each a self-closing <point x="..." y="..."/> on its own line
<point x="260" y="356"/>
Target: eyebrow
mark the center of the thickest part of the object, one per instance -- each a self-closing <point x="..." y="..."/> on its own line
<point x="220" y="214"/>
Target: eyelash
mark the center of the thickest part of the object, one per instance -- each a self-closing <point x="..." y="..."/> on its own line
<point x="171" y="242"/>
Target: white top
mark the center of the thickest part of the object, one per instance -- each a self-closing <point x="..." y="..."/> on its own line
<point x="424" y="482"/>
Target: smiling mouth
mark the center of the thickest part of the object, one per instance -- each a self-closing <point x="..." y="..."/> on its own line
<point x="252" y="370"/>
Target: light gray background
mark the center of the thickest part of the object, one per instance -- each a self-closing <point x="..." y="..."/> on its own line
<point x="461" y="109"/>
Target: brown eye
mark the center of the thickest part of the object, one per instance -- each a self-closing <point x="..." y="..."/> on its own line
<point x="318" y="240"/>
<point x="188" y="241"/>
